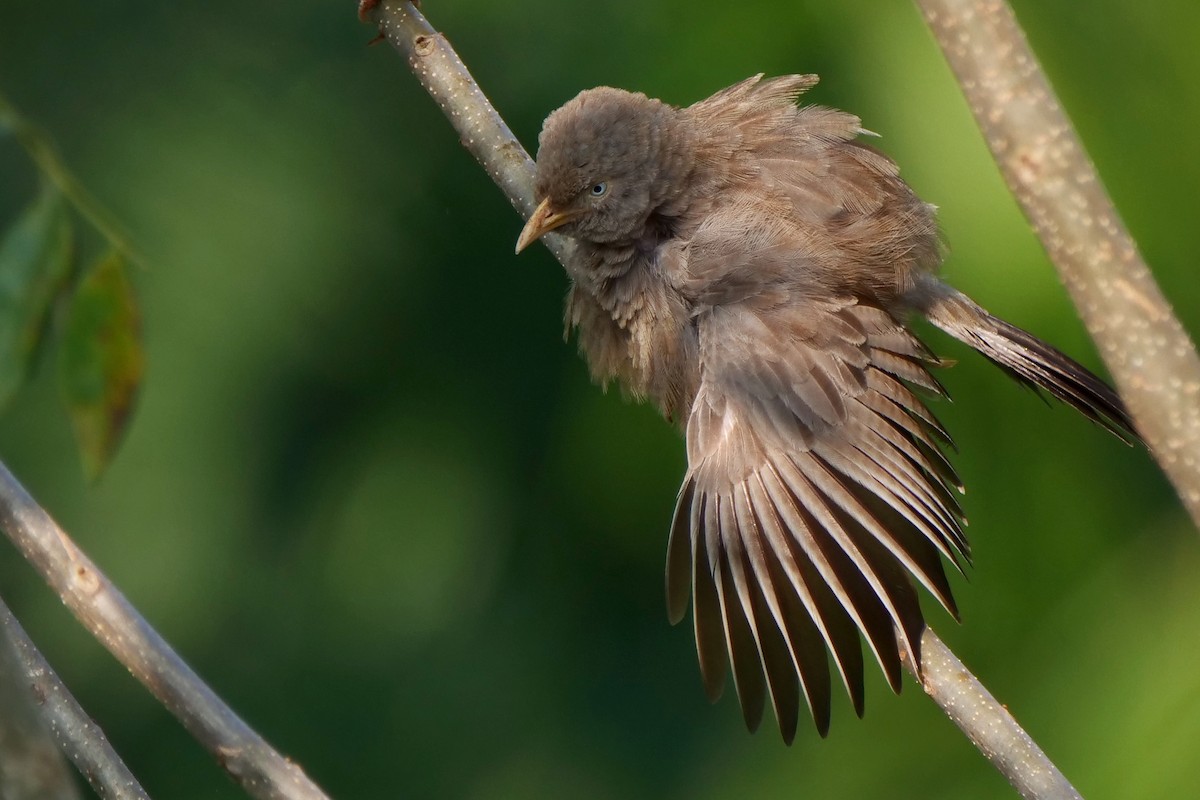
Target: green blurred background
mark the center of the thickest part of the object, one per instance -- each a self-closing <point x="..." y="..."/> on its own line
<point x="371" y="496"/>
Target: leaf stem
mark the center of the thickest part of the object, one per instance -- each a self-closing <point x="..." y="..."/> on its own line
<point x="42" y="152"/>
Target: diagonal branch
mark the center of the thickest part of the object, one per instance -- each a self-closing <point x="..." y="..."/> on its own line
<point x="435" y="64"/>
<point x="988" y="725"/>
<point x="78" y="736"/>
<point x="480" y="128"/>
<point x="1046" y="167"/>
<point x="117" y="625"/>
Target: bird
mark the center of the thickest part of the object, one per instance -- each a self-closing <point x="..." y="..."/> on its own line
<point x="750" y="265"/>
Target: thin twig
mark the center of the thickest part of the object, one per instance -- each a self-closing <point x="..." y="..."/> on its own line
<point x="116" y="624"/>
<point x="988" y="725"/>
<point x="78" y="736"/>
<point x="31" y="765"/>
<point x="1046" y="167"/>
<point x="480" y="128"/>
<point x="484" y="134"/>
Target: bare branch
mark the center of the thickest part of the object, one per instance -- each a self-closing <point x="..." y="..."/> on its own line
<point x="988" y="725"/>
<point x="31" y="765"/>
<point x="1046" y="167"/>
<point x="78" y="736"/>
<point x="116" y="624"/>
<point x="480" y="129"/>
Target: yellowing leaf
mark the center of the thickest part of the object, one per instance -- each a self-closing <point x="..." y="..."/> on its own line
<point x="35" y="262"/>
<point x="101" y="361"/>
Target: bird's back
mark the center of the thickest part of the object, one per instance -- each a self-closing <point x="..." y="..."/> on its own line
<point x="857" y="226"/>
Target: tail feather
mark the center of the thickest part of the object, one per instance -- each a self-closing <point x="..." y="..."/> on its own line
<point x="1031" y="362"/>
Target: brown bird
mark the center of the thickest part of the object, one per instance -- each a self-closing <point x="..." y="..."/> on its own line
<point x="750" y="266"/>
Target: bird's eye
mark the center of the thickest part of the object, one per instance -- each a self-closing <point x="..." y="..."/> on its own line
<point x="599" y="189"/>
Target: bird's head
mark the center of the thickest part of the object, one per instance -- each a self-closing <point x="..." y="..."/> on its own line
<point x="603" y="159"/>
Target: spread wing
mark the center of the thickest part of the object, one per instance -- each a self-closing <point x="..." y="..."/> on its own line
<point x="815" y="489"/>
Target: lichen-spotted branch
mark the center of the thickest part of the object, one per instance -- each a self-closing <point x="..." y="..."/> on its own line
<point x="1043" y="161"/>
<point x="116" y="624"/>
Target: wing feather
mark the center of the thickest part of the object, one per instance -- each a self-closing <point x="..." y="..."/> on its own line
<point x="816" y="494"/>
<point x="806" y="657"/>
<point x="706" y="608"/>
<point x="739" y="635"/>
<point x="773" y="651"/>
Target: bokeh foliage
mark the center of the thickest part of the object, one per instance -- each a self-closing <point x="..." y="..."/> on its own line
<point x="372" y="497"/>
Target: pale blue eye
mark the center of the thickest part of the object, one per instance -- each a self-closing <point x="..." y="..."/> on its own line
<point x="599" y="189"/>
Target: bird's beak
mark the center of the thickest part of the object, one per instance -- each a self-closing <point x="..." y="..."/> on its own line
<point x="543" y="220"/>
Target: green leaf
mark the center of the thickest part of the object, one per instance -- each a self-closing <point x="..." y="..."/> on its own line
<point x="101" y="361"/>
<point x="35" y="262"/>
